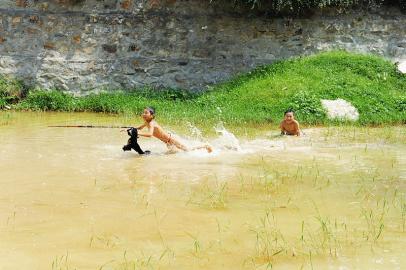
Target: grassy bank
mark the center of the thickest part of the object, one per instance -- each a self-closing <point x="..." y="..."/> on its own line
<point x="370" y="83"/>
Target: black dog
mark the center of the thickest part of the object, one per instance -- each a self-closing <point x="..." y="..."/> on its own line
<point x="133" y="142"/>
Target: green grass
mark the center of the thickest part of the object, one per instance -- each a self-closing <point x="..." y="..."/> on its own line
<point x="372" y="84"/>
<point x="11" y="91"/>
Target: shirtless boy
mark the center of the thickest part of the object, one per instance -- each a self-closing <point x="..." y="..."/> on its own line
<point x="289" y="126"/>
<point x="155" y="130"/>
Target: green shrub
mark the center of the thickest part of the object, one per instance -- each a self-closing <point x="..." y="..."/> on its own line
<point x="48" y="101"/>
<point x="307" y="107"/>
<point x="3" y="103"/>
<point x="104" y="102"/>
<point x="11" y="90"/>
<point x="401" y="104"/>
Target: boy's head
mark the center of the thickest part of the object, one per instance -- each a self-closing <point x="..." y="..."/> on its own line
<point x="149" y="114"/>
<point x="289" y="115"/>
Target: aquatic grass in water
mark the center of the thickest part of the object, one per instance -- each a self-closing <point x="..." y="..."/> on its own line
<point x="306" y="202"/>
<point x="141" y="261"/>
<point x="329" y="235"/>
<point x="6" y="118"/>
<point x="211" y="195"/>
<point x="197" y="245"/>
<point x="269" y="240"/>
<point x="61" y="263"/>
<point x="403" y="214"/>
<point x="319" y="236"/>
<point x="375" y="224"/>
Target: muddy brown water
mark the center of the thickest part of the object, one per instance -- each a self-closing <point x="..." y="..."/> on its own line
<point x="71" y="199"/>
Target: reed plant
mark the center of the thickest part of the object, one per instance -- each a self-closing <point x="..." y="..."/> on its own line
<point x="210" y="195"/>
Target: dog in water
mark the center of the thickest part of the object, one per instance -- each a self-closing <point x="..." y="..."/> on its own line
<point x="133" y="142"/>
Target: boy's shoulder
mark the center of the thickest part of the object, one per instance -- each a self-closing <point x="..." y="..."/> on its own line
<point x="295" y="123"/>
<point x="150" y="123"/>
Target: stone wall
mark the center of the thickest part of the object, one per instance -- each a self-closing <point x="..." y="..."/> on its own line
<point x="90" y="45"/>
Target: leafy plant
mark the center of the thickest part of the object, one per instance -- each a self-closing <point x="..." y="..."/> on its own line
<point x="48" y="101"/>
<point x="307" y="107"/>
<point x="11" y="90"/>
<point x="3" y="103"/>
<point x="401" y="104"/>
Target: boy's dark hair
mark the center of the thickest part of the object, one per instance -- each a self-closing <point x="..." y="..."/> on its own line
<point x="151" y="110"/>
<point x="289" y="111"/>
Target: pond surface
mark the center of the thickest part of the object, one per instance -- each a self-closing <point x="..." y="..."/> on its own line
<point x="70" y="198"/>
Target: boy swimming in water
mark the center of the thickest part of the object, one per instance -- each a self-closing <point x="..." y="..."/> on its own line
<point x="289" y="126"/>
<point x="155" y="130"/>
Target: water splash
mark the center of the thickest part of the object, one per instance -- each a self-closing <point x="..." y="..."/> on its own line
<point x="195" y="133"/>
<point x="226" y="139"/>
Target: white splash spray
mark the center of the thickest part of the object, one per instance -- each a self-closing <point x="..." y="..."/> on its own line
<point x="195" y="133"/>
<point x="226" y="139"/>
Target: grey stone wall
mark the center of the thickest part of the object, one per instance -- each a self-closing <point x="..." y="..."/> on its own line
<point x="122" y="44"/>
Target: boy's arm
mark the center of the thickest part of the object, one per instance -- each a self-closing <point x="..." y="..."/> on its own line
<point x="282" y="128"/>
<point x="150" y="130"/>
<point x="297" y="129"/>
<point x="141" y="127"/>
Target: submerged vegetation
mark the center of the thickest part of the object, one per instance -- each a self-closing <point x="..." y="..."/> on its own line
<point x="286" y="216"/>
<point x="373" y="85"/>
<point x="333" y="198"/>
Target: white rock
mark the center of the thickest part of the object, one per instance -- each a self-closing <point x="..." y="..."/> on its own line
<point x="402" y="66"/>
<point x="340" y="109"/>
